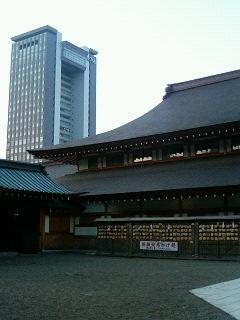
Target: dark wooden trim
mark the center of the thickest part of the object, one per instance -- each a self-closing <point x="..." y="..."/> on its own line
<point x="166" y="213"/>
<point x="84" y="237"/>
<point x="162" y="162"/>
<point x="42" y="229"/>
<point x="105" y="207"/>
<point x="54" y="233"/>
<point x="58" y="154"/>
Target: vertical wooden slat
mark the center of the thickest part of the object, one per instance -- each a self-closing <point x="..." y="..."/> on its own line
<point x="104" y="162"/>
<point x="42" y="229"/>
<point x="154" y="154"/>
<point x="238" y="237"/>
<point x="196" y="239"/>
<point x="130" y="158"/>
<point x="192" y="150"/>
<point x="130" y="237"/>
<point x="218" y="243"/>
<point x="186" y="150"/>
<point x="125" y="161"/>
<point x="160" y="154"/>
<point x="228" y="145"/>
<point x="221" y="146"/>
<point x="100" y="162"/>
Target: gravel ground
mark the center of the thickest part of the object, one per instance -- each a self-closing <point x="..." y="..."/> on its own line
<point x="77" y="286"/>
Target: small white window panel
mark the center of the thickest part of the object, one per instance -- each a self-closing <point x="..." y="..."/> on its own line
<point x="46" y="224"/>
<point x="77" y="220"/>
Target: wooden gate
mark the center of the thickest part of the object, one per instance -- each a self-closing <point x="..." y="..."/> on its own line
<point x="113" y="239"/>
<point x="218" y="239"/>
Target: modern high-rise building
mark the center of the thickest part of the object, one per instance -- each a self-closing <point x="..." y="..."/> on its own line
<point x="52" y="94"/>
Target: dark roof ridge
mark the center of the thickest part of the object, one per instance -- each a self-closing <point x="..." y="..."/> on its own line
<point x="180" y="86"/>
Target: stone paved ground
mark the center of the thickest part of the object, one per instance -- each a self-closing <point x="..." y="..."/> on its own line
<point x="76" y="286"/>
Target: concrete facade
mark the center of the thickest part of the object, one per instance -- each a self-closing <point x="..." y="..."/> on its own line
<point x="52" y="93"/>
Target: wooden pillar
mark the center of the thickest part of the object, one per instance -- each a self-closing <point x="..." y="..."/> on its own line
<point x="192" y="150"/>
<point x="125" y="159"/>
<point x="129" y="239"/>
<point x="225" y="199"/>
<point x="105" y="207"/>
<point x="141" y="204"/>
<point x="130" y="158"/>
<point x="154" y="154"/>
<point x="180" y="205"/>
<point x="160" y="154"/>
<point x="185" y="150"/>
<point x="42" y="229"/>
<point x="221" y="146"/>
<point x="196" y="239"/>
<point x="228" y="145"/>
<point x="100" y="163"/>
<point x="104" y="162"/>
<point x="238" y="236"/>
<point x="71" y="224"/>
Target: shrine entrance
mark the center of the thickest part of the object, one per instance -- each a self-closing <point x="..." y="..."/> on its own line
<point x="19" y="229"/>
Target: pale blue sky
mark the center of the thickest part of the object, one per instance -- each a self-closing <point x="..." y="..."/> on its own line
<point x="143" y="45"/>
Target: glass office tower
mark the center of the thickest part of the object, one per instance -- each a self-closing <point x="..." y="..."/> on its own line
<point x="52" y="94"/>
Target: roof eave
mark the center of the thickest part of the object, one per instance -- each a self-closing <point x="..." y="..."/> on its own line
<point x="173" y="192"/>
<point x="73" y="152"/>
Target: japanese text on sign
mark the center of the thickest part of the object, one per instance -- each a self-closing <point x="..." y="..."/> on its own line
<point x="159" y="245"/>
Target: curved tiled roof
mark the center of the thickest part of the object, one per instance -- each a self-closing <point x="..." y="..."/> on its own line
<point x="209" y="172"/>
<point x="27" y="177"/>
<point x="190" y="105"/>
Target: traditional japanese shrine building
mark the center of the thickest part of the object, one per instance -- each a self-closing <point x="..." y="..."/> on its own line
<point x="167" y="183"/>
<point x="35" y="210"/>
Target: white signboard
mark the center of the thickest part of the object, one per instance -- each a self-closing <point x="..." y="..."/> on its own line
<point x="159" y="245"/>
